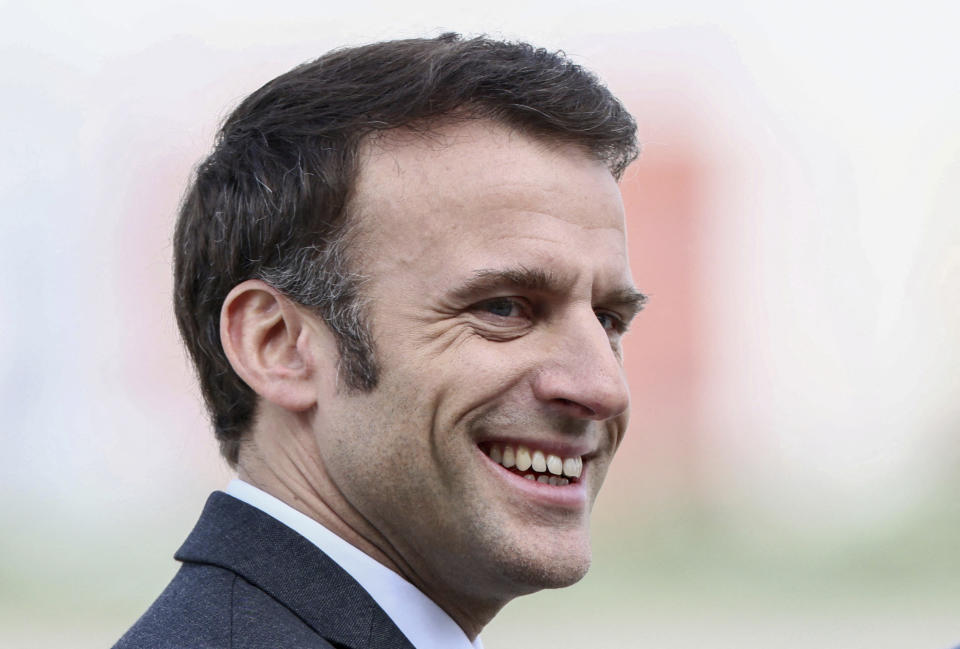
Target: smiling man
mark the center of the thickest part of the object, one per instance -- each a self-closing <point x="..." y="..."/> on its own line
<point x="403" y="278"/>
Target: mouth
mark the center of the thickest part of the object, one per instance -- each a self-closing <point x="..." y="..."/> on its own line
<point x="535" y="464"/>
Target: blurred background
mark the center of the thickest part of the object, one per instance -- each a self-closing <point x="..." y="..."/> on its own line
<point x="792" y="470"/>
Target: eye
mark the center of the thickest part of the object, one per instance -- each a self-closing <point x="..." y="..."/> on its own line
<point x="610" y="322"/>
<point x="502" y="318"/>
<point x="502" y="307"/>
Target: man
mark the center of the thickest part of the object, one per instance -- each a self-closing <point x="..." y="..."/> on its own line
<point x="403" y="279"/>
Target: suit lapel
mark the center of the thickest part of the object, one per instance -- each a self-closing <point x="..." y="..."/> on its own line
<point x="240" y="538"/>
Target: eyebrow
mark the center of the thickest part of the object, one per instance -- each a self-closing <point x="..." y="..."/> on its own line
<point x="629" y="300"/>
<point x="517" y="277"/>
<point x="537" y="280"/>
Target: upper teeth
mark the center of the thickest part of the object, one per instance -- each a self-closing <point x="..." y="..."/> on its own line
<point x="522" y="459"/>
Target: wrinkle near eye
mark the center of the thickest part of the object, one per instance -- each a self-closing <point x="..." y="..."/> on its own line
<point x="448" y="333"/>
<point x="497" y="328"/>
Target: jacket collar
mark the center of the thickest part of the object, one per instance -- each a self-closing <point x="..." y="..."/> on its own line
<point x="233" y="535"/>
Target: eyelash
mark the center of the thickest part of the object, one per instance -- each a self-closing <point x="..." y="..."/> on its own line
<point x="486" y="305"/>
<point x="616" y="325"/>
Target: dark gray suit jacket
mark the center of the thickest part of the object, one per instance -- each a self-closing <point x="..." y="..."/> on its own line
<point x="250" y="582"/>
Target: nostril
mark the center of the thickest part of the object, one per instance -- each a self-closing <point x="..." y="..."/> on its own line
<point x="575" y="408"/>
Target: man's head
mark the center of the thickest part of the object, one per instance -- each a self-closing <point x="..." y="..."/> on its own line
<point x="409" y="261"/>
<point x="273" y="200"/>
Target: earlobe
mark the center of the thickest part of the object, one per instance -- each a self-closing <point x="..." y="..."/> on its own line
<point x="262" y="333"/>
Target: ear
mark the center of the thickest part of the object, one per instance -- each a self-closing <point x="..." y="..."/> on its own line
<point x="267" y="341"/>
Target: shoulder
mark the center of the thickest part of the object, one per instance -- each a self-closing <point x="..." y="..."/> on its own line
<point x="210" y="607"/>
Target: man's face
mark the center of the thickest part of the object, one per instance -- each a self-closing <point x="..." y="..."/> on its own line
<point x="498" y="288"/>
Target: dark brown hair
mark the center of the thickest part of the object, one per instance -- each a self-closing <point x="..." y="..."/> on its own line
<point x="270" y="202"/>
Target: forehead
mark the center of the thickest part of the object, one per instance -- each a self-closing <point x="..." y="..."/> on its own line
<point x="476" y="192"/>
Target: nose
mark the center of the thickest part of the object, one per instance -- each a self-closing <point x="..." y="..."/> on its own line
<point x="581" y="374"/>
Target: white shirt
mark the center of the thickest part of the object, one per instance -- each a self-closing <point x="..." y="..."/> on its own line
<point x="426" y="625"/>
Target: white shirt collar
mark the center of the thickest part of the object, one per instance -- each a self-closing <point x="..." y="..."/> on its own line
<point x="426" y="625"/>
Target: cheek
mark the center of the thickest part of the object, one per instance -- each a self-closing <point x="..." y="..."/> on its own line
<point x="481" y="366"/>
<point x="386" y="434"/>
<point x="354" y="439"/>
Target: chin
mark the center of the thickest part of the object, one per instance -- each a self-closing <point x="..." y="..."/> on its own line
<point x="549" y="569"/>
<point x="518" y="560"/>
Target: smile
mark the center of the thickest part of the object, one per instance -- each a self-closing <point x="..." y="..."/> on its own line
<point x="545" y="468"/>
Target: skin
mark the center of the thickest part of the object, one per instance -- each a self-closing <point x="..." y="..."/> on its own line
<point x="498" y="290"/>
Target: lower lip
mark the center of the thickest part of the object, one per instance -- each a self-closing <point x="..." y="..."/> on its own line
<point x="571" y="496"/>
